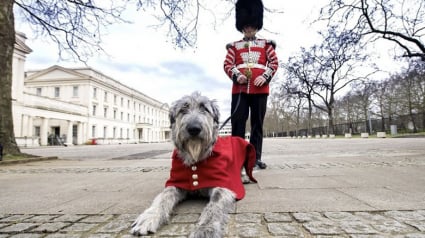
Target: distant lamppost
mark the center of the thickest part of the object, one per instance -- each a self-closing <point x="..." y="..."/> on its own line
<point x="1" y="152"/>
<point x="370" y="122"/>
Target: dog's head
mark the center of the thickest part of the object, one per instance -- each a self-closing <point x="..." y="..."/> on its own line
<point x="194" y="123"/>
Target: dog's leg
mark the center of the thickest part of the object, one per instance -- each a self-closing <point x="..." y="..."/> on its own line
<point x="159" y="212"/>
<point x="214" y="217"/>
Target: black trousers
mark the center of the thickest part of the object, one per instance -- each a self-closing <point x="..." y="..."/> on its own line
<point x="256" y="104"/>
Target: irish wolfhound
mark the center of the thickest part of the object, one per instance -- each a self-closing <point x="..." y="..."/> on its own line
<point x="202" y="164"/>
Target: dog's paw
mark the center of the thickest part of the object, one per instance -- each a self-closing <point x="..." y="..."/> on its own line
<point x="206" y="232"/>
<point x="145" y="224"/>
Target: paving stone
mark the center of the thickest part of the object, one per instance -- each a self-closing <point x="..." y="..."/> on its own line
<point x="80" y="227"/>
<point x="176" y="230"/>
<point x="128" y="217"/>
<point x="101" y="236"/>
<point x="248" y="218"/>
<point x="69" y="218"/>
<point x="413" y="235"/>
<point x="41" y="218"/>
<point x="330" y="236"/>
<point x="357" y="227"/>
<point x="420" y="225"/>
<point x="341" y="216"/>
<point x="50" y="227"/>
<point x="277" y="217"/>
<point x="406" y="215"/>
<point x="322" y="228"/>
<point x="248" y="230"/>
<point x="63" y="236"/>
<point x="308" y="216"/>
<point x="97" y="218"/>
<point x="114" y="226"/>
<point x="391" y="227"/>
<point x="18" y="227"/>
<point x="373" y="217"/>
<point x="284" y="229"/>
<point x="185" y="218"/>
<point x="26" y="235"/>
<point x="369" y="236"/>
<point x="16" y="218"/>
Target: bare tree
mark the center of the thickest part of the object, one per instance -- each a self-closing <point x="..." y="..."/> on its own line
<point x="302" y="78"/>
<point x="399" y="21"/>
<point x="76" y="27"/>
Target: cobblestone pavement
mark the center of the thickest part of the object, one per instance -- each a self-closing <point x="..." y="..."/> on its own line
<point x="311" y="188"/>
<point x="408" y="224"/>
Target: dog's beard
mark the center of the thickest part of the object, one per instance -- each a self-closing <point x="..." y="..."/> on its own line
<point x="194" y="149"/>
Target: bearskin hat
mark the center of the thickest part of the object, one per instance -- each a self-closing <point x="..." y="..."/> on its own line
<point x="249" y="13"/>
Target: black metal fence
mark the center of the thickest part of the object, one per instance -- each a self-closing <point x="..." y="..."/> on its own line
<point x="401" y="124"/>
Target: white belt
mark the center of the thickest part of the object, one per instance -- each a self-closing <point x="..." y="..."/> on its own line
<point x="258" y="66"/>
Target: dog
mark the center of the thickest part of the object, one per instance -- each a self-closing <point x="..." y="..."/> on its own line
<point x="203" y="164"/>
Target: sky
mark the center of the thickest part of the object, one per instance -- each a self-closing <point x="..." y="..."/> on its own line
<point x="144" y="58"/>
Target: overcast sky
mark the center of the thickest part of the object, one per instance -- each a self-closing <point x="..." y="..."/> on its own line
<point x="143" y="58"/>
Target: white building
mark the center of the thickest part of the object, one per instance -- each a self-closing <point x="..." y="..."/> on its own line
<point x="80" y="105"/>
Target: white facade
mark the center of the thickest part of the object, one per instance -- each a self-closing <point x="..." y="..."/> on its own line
<point x="81" y="105"/>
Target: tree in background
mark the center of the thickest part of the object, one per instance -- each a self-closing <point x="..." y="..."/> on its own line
<point x="401" y="22"/>
<point x="76" y="28"/>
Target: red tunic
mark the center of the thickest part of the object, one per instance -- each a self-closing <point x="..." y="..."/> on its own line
<point x="258" y="56"/>
<point x="221" y="169"/>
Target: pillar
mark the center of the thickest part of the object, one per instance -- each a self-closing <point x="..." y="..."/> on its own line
<point x="69" y="134"/>
<point x="44" y="131"/>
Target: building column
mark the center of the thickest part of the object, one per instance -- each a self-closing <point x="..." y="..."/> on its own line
<point x="80" y="138"/>
<point x="30" y="127"/>
<point x="69" y="134"/>
<point x="44" y="131"/>
<point x="23" y="130"/>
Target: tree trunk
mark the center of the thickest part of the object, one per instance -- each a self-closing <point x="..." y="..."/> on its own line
<point x="7" y="44"/>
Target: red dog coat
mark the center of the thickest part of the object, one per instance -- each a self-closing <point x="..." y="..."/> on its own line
<point x="221" y="169"/>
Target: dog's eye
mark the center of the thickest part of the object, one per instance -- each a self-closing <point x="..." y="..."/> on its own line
<point x="203" y="108"/>
<point x="184" y="108"/>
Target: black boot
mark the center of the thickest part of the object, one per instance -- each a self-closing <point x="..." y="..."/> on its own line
<point x="261" y="164"/>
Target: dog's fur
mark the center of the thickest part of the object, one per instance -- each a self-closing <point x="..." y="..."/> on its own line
<point x="194" y="123"/>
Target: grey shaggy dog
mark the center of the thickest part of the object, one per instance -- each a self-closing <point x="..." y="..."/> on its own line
<point x="194" y="123"/>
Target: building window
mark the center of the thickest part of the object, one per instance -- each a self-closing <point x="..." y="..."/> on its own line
<point x="37" y="131"/>
<point x="94" y="110"/>
<point x="115" y="114"/>
<point x="122" y="116"/>
<point x="104" y="131"/>
<point x="105" y="112"/>
<point x="38" y="91"/>
<point x="57" y="92"/>
<point x="128" y="103"/>
<point x="93" y="131"/>
<point x="75" y="91"/>
<point x="122" y="102"/>
<point x="105" y="98"/>
<point x="114" y="132"/>
<point x="115" y="99"/>
<point x="94" y="92"/>
<point x="128" y="133"/>
<point x="128" y="117"/>
<point x="121" y="133"/>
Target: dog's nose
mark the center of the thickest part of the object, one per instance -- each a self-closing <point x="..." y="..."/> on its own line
<point x="194" y="130"/>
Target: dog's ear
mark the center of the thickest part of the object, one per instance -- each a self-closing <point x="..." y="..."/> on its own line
<point x="215" y="111"/>
<point x="172" y="115"/>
